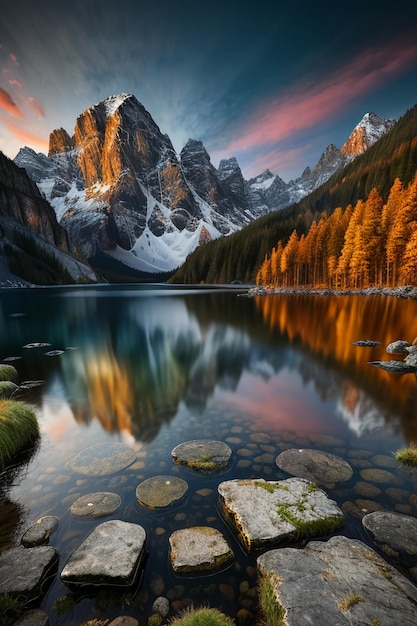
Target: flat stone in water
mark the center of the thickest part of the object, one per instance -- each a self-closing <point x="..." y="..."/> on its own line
<point x="376" y="475"/>
<point x="203" y="455"/>
<point x="23" y="570"/>
<point x="40" y="531"/>
<point x="271" y="512"/>
<point x="340" y="581"/>
<point x="396" y="530"/>
<point x="366" y="343"/>
<point x="102" y="459"/>
<point x="96" y="504"/>
<point x="316" y="465"/>
<point x="199" y="549"/>
<point x="160" y="491"/>
<point x="398" y="347"/>
<point x="111" y="554"/>
<point x="396" y="367"/>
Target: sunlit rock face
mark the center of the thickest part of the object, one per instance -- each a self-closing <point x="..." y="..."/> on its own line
<point x="365" y="134"/>
<point x="60" y="141"/>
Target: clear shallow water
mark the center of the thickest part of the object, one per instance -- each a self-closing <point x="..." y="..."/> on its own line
<point x="153" y="366"/>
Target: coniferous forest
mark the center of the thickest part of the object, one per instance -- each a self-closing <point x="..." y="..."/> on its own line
<point x="357" y="229"/>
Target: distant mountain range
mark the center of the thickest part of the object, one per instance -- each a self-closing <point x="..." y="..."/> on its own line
<point x="134" y="208"/>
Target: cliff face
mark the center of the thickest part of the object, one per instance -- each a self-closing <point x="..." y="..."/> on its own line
<point x="21" y="201"/>
<point x="60" y="141"/>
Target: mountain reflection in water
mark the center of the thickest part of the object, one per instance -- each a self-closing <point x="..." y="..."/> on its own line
<point x="140" y="355"/>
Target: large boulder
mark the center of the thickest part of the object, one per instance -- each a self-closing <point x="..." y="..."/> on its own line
<point x="341" y="581"/>
<point x="267" y="513"/>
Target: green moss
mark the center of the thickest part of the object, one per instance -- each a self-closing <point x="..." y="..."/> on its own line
<point x="63" y="604"/>
<point x="273" y="613"/>
<point x="18" y="429"/>
<point x="203" y="617"/>
<point x="270" y="487"/>
<point x="407" y="456"/>
<point x="8" y="372"/>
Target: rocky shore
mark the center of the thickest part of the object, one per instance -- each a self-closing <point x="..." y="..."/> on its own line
<point x="406" y="292"/>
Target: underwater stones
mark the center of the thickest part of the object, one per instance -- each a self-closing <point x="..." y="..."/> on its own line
<point x="366" y="343"/>
<point x="160" y="491"/>
<point x="40" y="531"/>
<point x="270" y="512"/>
<point x="202" y="455"/>
<point x="111" y="554"/>
<point x="377" y="475"/>
<point x="340" y="581"/>
<point x="96" y="504"/>
<point x="102" y="459"/>
<point x="24" y="570"/>
<point x="395" y="530"/>
<point x="199" y="549"/>
<point x="321" y="467"/>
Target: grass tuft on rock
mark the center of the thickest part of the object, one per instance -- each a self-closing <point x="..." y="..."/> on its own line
<point x="203" y="617"/>
<point x="273" y="613"/>
<point x="7" y="388"/>
<point x="407" y="456"/>
<point x="19" y="428"/>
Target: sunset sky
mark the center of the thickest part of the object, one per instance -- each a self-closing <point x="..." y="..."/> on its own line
<point x="272" y="83"/>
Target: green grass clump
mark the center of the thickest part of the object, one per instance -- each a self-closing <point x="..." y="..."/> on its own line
<point x="7" y="388"/>
<point x="11" y="608"/>
<point x="350" y="601"/>
<point x="407" y="456"/>
<point x="8" y="373"/>
<point x="273" y="613"/>
<point x="18" y="428"/>
<point x="203" y="617"/>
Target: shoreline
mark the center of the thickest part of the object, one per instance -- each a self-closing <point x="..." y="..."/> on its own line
<point x="405" y="292"/>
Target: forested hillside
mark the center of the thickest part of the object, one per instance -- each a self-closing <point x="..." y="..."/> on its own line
<point x="239" y="256"/>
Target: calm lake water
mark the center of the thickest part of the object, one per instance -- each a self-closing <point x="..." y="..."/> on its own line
<point x="154" y="366"/>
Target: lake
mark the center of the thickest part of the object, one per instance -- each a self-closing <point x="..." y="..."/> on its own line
<point x="152" y="366"/>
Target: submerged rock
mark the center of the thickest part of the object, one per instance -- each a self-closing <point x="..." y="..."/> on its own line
<point x="96" y="504"/>
<point x="111" y="554"/>
<point x="23" y="571"/>
<point x="199" y="549"/>
<point x="102" y="459"/>
<point x="366" y="343"/>
<point x="340" y="581"/>
<point x="160" y="491"/>
<point x="395" y="530"/>
<point x="202" y="455"/>
<point x="321" y="467"/>
<point x="40" y="531"/>
<point x="268" y="513"/>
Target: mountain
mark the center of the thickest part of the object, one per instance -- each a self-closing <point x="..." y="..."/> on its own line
<point x="136" y="209"/>
<point x="124" y="196"/>
<point x="270" y="193"/>
<point x="239" y="256"/>
<point x="33" y="246"/>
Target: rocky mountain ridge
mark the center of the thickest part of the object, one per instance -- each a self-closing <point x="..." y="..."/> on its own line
<point x="119" y="188"/>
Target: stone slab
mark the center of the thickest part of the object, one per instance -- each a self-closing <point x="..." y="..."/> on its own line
<point x="267" y="513"/>
<point x="203" y="455"/>
<point x="396" y="530"/>
<point x="40" y="531"/>
<point x="199" y="549"/>
<point x="23" y="570"/>
<point x="341" y="581"/>
<point x="321" y="467"/>
<point x="111" y="554"/>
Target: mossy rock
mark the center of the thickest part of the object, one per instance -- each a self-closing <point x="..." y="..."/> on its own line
<point x="19" y="429"/>
<point x="203" y="617"/>
<point x="7" y="388"/>
<point x="8" y="372"/>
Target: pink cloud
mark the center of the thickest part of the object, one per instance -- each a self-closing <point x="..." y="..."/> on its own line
<point x="36" y="107"/>
<point x="308" y="104"/>
<point x="7" y="103"/>
<point x="13" y="58"/>
<point x="277" y="161"/>
<point x="26" y="137"/>
<point x="10" y="79"/>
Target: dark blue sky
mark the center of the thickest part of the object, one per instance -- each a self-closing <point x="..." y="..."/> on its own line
<point x="271" y="83"/>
